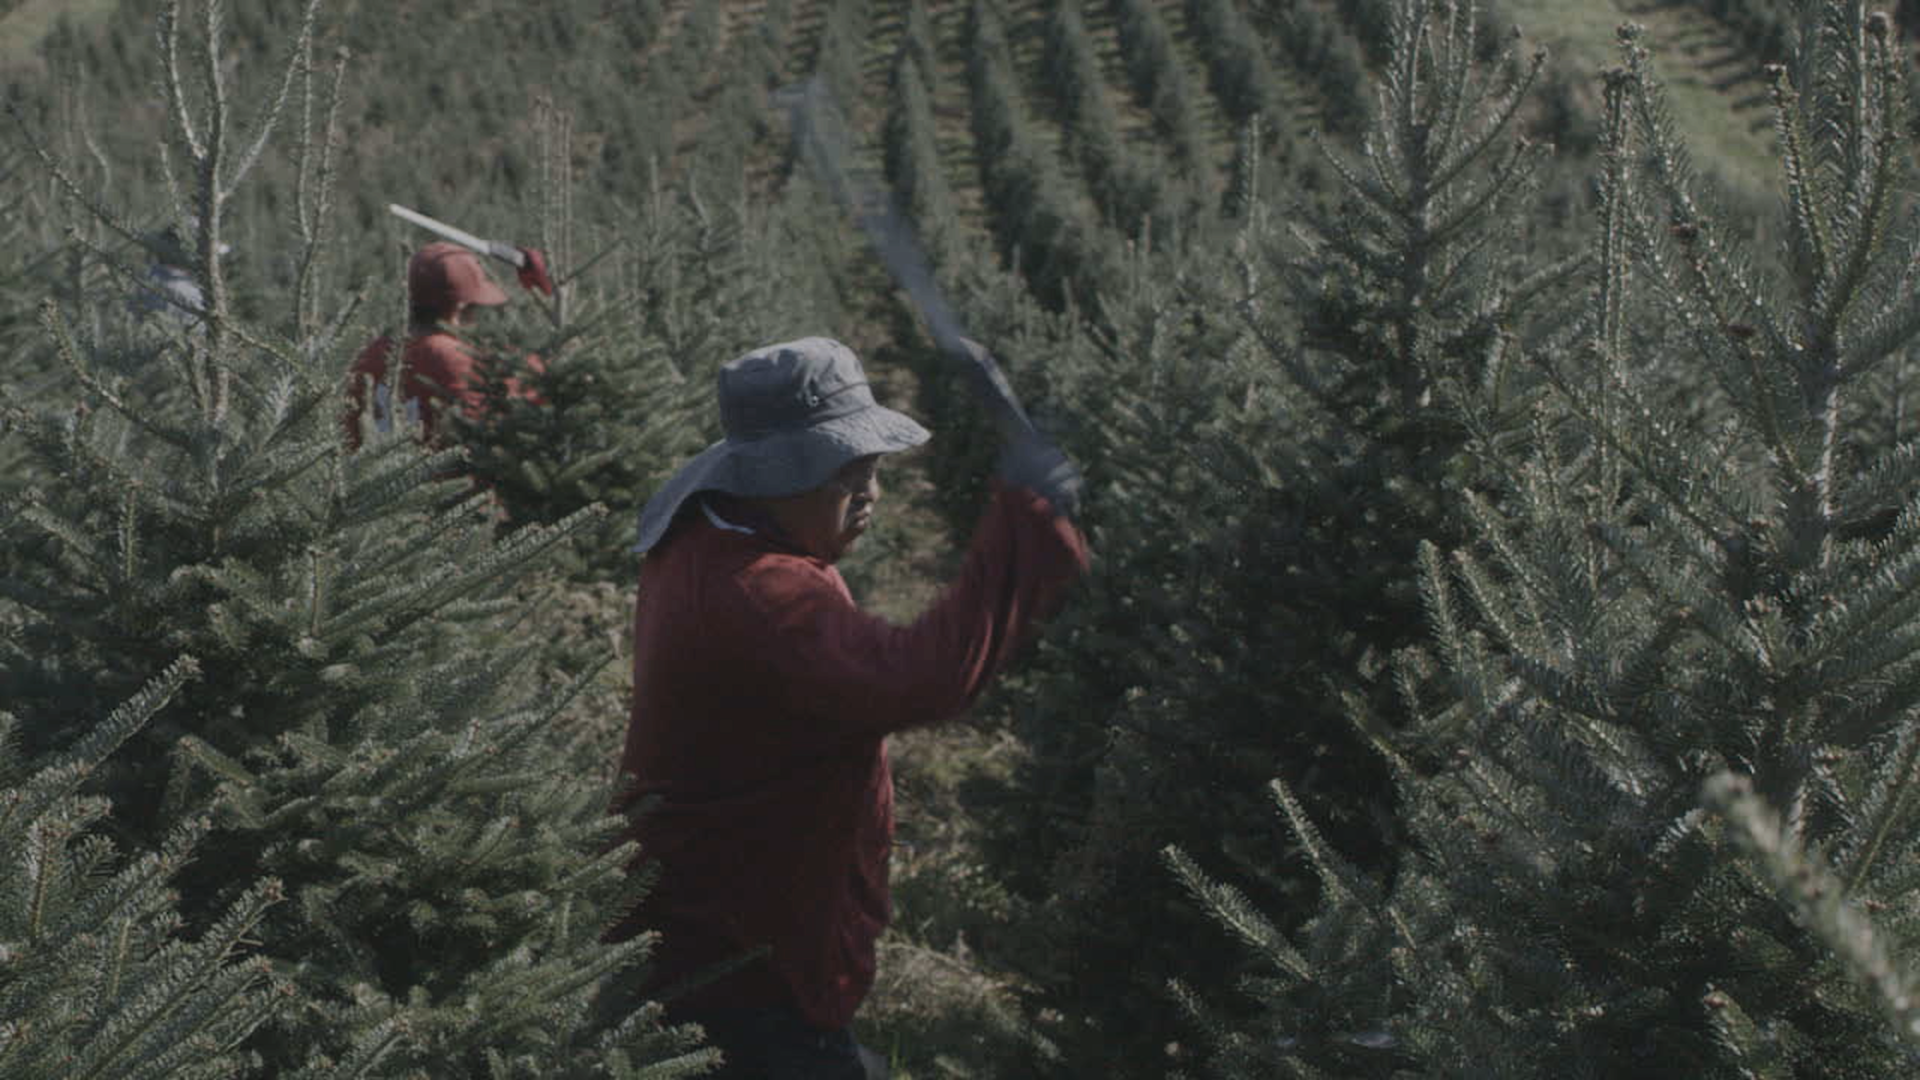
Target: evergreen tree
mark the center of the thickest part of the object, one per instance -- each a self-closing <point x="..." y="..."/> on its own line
<point x="1268" y="430"/>
<point x="95" y="979"/>
<point x="1041" y="228"/>
<point x="364" y="728"/>
<point x="1331" y="59"/>
<point x="1159" y="82"/>
<point x="628" y="391"/>
<point x="919" y="39"/>
<point x="1659" y="787"/>
<point x="910" y="153"/>
<point x="1128" y="195"/>
<point x="839" y="57"/>
<point x="1238" y="69"/>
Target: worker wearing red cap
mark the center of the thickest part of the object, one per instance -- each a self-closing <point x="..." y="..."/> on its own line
<point x="445" y="284"/>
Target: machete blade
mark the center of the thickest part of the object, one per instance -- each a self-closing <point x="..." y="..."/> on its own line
<point x="820" y="134"/>
<point x="506" y="253"/>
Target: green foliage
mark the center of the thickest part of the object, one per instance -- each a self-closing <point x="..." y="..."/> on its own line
<point x="1765" y="26"/>
<point x="840" y="54"/>
<point x="919" y="40"/>
<point x="1498" y="817"/>
<point x="1126" y="191"/>
<point x="628" y="394"/>
<point x="1821" y="902"/>
<point x="1238" y="68"/>
<point x="1159" y="82"/>
<point x="1040" y="229"/>
<point x="1282" y="418"/>
<point x="364" y="726"/>
<point x="1688" y="571"/>
<point x="910" y="152"/>
<point x="1331" y="59"/>
<point x="98" y="980"/>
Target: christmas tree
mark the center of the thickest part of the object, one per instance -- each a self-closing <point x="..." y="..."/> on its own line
<point x="365" y="729"/>
<point x="1658" y="787"/>
<point x="1271" y="420"/>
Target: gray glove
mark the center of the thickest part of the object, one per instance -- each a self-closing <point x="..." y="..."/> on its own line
<point x="1035" y="463"/>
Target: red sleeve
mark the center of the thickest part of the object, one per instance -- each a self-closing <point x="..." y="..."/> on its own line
<point x="852" y="671"/>
<point x="439" y="372"/>
<point x="437" y="369"/>
<point x="368" y="369"/>
<point x="537" y="366"/>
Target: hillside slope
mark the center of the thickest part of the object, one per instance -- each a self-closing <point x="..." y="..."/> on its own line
<point x="693" y="80"/>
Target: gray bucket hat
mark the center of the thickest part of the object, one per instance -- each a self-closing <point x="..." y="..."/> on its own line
<point x="794" y="413"/>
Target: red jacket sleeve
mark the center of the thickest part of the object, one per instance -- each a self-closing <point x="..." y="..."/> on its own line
<point x="850" y="671"/>
<point x="439" y="372"/>
<point x="536" y="366"/>
<point x="368" y="369"/>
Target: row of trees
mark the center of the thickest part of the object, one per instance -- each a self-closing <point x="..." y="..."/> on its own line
<point x="1129" y="193"/>
<point x="1325" y="56"/>
<point x="1265" y="423"/>
<point x="1598" y="566"/>
<point x="1159" y="81"/>
<point x="1674" y="669"/>
<point x="1038" y="221"/>
<point x="911" y="160"/>
<point x="1765" y="27"/>
<point x="1239" y="68"/>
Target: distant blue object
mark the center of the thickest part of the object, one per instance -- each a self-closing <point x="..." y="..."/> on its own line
<point x="162" y="296"/>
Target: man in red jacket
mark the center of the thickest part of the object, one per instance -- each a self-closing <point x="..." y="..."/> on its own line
<point x="763" y="696"/>
<point x="446" y="286"/>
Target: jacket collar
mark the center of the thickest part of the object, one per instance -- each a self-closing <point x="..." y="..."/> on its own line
<point x="737" y="516"/>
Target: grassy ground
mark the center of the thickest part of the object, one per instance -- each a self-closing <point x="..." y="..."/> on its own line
<point x="25" y="23"/>
<point x="1715" y="89"/>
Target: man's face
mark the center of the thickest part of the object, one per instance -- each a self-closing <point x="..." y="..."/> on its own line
<point x="828" y="520"/>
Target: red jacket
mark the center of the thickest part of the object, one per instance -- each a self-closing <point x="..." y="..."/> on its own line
<point x="440" y="369"/>
<point x="762" y="700"/>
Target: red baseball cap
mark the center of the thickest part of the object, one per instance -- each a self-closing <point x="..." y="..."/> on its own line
<point x="443" y="274"/>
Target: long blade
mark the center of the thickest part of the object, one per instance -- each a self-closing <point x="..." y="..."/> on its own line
<point x="821" y="134"/>
<point x="506" y="253"/>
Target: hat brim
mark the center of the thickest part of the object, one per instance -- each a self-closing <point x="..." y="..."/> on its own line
<point x="786" y="463"/>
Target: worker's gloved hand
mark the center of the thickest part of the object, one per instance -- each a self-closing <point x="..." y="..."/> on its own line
<point x="533" y="271"/>
<point x="1033" y="462"/>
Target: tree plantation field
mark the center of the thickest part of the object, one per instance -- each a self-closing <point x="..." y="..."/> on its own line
<point x="1500" y="657"/>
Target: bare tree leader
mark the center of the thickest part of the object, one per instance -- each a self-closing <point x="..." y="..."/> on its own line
<point x="446" y="287"/>
<point x="763" y="697"/>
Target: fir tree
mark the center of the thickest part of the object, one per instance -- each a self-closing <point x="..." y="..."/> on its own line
<point x="840" y="53"/>
<point x="1128" y="196"/>
<point x="1659" y="788"/>
<point x="910" y="152"/>
<point x="1238" y="68"/>
<point x="1041" y="227"/>
<point x="364" y="728"/>
<point x="1159" y="82"/>
<point x="95" y="977"/>
<point x="919" y="39"/>
<point x="1268" y="431"/>
<point x="628" y="390"/>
